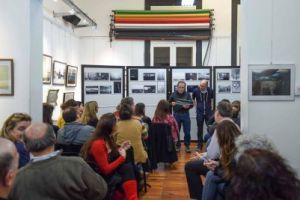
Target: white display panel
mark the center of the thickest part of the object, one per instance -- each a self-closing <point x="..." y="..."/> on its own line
<point x="192" y="78"/>
<point x="227" y="83"/>
<point x="104" y="84"/>
<point x="147" y="85"/>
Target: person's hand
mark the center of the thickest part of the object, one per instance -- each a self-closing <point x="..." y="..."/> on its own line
<point x="122" y="152"/>
<point x="197" y="156"/>
<point x="173" y="103"/>
<point x="126" y="144"/>
<point x="211" y="164"/>
<point x="186" y="106"/>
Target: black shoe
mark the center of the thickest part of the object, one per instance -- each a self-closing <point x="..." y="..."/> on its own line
<point x="187" y="149"/>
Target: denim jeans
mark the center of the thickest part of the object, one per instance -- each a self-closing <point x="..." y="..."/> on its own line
<point x="184" y="119"/>
<point x="200" y="122"/>
<point x="213" y="184"/>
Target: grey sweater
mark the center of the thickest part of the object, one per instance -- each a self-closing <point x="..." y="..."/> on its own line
<point x="58" y="178"/>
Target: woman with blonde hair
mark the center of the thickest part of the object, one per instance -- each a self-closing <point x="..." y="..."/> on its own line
<point x="13" y="129"/>
<point x="89" y="115"/>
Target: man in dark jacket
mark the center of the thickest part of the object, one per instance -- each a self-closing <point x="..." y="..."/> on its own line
<point x="73" y="132"/>
<point x="181" y="102"/>
<point x="203" y="96"/>
<point x="51" y="176"/>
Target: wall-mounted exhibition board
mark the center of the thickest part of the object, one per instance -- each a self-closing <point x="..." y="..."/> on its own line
<point x="227" y="83"/>
<point x="147" y="85"/>
<point x="192" y="77"/>
<point x="104" y="84"/>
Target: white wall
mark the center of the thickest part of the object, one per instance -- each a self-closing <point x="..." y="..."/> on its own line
<point x="270" y="35"/>
<point x="61" y="43"/>
<point x="18" y="28"/>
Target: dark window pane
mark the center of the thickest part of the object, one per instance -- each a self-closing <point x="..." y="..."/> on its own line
<point x="161" y="56"/>
<point x="184" y="56"/>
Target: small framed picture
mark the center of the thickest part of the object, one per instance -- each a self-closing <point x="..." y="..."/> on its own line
<point x="58" y="73"/>
<point x="47" y="69"/>
<point x="52" y="97"/>
<point x="6" y="77"/>
<point x="68" y="95"/>
<point x="71" y="77"/>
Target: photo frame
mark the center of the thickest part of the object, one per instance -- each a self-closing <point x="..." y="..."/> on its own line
<point x="271" y="82"/>
<point x="47" y="69"/>
<point x="58" y="73"/>
<point x="6" y="77"/>
<point x="71" y="76"/>
<point x="68" y="95"/>
<point x="52" y="97"/>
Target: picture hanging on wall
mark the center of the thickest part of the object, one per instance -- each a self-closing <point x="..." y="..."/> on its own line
<point x="236" y="87"/>
<point x="67" y="96"/>
<point x="58" y="73"/>
<point x="47" y="69"/>
<point x="223" y="88"/>
<point x="115" y="76"/>
<point x="71" y="76"/>
<point x="117" y="87"/>
<point x="105" y="89"/>
<point x="190" y="76"/>
<point x="91" y="90"/>
<point x="161" y="87"/>
<point x="149" y="76"/>
<point x="223" y="76"/>
<point x="134" y="74"/>
<point x="52" y="97"/>
<point x="271" y="82"/>
<point x="6" y="77"/>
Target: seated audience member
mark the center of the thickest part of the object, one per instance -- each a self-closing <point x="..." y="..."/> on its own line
<point x="221" y="172"/>
<point x="79" y="108"/>
<point x="13" y="130"/>
<point x="64" y="106"/>
<point x="89" y="115"/>
<point x="236" y="108"/>
<point x="140" y="112"/>
<point x="51" y="176"/>
<point x="47" y="116"/>
<point x="195" y="167"/>
<point x="9" y="160"/>
<point x="263" y="175"/>
<point x="110" y="159"/>
<point x="129" y="101"/>
<point x="73" y="132"/>
<point x="132" y="130"/>
<point x="162" y="115"/>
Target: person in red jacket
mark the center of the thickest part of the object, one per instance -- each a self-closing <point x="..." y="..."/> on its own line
<point x="110" y="158"/>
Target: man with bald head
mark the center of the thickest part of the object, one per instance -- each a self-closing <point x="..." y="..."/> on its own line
<point x="202" y="96"/>
<point x="51" y="176"/>
<point x="9" y="161"/>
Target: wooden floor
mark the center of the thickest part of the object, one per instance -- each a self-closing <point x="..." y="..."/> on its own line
<point x="169" y="182"/>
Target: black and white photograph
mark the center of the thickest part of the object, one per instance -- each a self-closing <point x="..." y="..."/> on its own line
<point x="134" y="74"/>
<point x="178" y="76"/>
<point x="52" y="97"/>
<point x="149" y="89"/>
<point x="149" y="76"/>
<point x="223" y="76"/>
<point x="190" y="76"/>
<point x="47" y="66"/>
<point x="137" y="89"/>
<point x="117" y="87"/>
<point x="204" y="76"/>
<point x="58" y="74"/>
<point x="235" y="74"/>
<point x="96" y="76"/>
<point x="191" y="88"/>
<point x="161" y="88"/>
<point x="115" y="76"/>
<point x="91" y="90"/>
<point x="236" y="87"/>
<point x="105" y="89"/>
<point x="104" y="77"/>
<point x="71" y="76"/>
<point x="224" y="88"/>
<point x="161" y="76"/>
<point x="67" y="96"/>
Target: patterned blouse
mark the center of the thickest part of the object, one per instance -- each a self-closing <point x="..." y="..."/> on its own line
<point x="169" y="119"/>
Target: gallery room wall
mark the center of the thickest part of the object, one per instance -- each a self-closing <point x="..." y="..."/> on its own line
<point x="270" y="35"/>
<point x="21" y="40"/>
<point x="63" y="45"/>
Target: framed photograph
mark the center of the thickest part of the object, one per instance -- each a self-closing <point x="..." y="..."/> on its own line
<point x="271" y="82"/>
<point x="6" y="77"/>
<point x="91" y="90"/>
<point x="223" y="88"/>
<point x="190" y="76"/>
<point x="58" y="73"/>
<point x="149" y="76"/>
<point x="117" y="87"/>
<point x="236" y="87"/>
<point x="115" y="76"/>
<point x="149" y="89"/>
<point x="223" y="76"/>
<point x="137" y="89"/>
<point x="47" y="69"/>
<point x="71" y="76"/>
<point x="68" y="95"/>
<point x="52" y="97"/>
<point x="105" y="89"/>
<point x="134" y="74"/>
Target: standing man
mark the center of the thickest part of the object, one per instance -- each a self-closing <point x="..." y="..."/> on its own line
<point x="181" y="102"/>
<point x="203" y="95"/>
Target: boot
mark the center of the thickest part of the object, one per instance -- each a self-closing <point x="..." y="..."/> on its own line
<point x="130" y="189"/>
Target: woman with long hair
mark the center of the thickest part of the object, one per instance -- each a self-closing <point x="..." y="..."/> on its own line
<point x="13" y="129"/>
<point x="109" y="158"/>
<point x="89" y="115"/>
<point x="162" y="115"/>
<point x="221" y="172"/>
